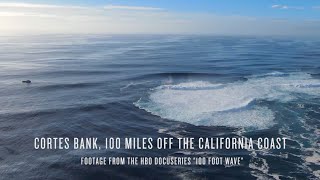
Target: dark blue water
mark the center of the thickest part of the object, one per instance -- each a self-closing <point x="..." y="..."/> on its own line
<point x="159" y="86"/>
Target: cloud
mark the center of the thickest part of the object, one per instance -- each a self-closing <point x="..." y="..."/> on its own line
<point x="31" y="5"/>
<point x="21" y="14"/>
<point x="51" y="6"/>
<point x="278" y="6"/>
<point x="138" y="8"/>
<point x="316" y="7"/>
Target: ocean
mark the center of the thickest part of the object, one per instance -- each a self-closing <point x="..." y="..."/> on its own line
<point x="159" y="86"/>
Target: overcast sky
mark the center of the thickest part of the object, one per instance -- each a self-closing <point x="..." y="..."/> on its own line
<point x="228" y="17"/>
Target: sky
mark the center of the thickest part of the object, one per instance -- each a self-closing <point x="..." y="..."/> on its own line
<point x="221" y="17"/>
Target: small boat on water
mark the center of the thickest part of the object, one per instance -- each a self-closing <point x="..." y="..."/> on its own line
<point x="26" y="81"/>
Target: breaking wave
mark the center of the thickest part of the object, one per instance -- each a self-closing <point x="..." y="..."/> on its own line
<point x="236" y="104"/>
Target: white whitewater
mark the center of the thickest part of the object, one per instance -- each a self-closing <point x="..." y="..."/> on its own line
<point x="233" y="104"/>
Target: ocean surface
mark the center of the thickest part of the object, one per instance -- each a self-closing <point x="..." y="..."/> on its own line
<point x="159" y="86"/>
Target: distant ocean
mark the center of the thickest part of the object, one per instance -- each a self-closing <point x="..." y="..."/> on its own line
<point x="159" y="86"/>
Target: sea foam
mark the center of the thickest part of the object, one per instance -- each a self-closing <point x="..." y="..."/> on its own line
<point x="231" y="104"/>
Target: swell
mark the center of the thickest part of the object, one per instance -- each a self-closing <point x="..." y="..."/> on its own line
<point x="74" y="72"/>
<point x="218" y="77"/>
<point x="177" y="75"/>
<point x="55" y="74"/>
<point x="68" y="86"/>
<point x="316" y="75"/>
<point x="50" y="112"/>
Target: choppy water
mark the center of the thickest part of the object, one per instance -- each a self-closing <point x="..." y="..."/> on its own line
<point x="141" y="86"/>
